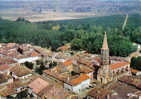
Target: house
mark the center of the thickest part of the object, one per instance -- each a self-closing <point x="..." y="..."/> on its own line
<point x="120" y="68"/>
<point x="28" y="57"/>
<point x="20" y="71"/>
<point x="64" y="48"/>
<point x="20" y="53"/>
<point x="77" y="84"/>
<point x="37" y="86"/>
<point x="11" y="88"/>
<point x="56" y="91"/>
<point x="5" y="64"/>
<point x="73" y="77"/>
<point x="99" y="93"/>
<point x="4" y="68"/>
<point x="5" y="79"/>
<point x="135" y="72"/>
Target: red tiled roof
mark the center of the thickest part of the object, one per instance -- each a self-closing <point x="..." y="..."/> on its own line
<point x="64" y="48"/>
<point x="4" y="60"/>
<point x="99" y="93"/>
<point x="134" y="70"/>
<point x="38" y="85"/>
<point x="67" y="63"/>
<point x="4" y="67"/>
<point x="33" y="54"/>
<point x="80" y="79"/>
<point x="118" y="65"/>
<point x="20" y="70"/>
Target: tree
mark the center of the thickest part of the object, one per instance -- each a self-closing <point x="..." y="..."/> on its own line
<point x="136" y="63"/>
<point x="136" y="35"/>
<point x="29" y="65"/>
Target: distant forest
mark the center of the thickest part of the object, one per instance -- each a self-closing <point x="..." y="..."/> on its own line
<point x="82" y="34"/>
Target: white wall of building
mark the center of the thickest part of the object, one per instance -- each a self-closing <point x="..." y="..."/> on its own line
<point x="78" y="87"/>
<point x="29" y="59"/>
<point x="81" y="86"/>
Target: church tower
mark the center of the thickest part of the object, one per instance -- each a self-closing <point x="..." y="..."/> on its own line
<point x="105" y="51"/>
<point x="104" y="74"/>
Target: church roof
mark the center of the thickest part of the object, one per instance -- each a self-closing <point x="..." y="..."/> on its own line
<point x="105" y="43"/>
<point x="118" y="65"/>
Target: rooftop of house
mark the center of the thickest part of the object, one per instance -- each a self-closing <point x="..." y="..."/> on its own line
<point x="118" y="65"/>
<point x="56" y="73"/>
<point x="64" y="48"/>
<point x="20" y="70"/>
<point x="122" y="89"/>
<point x="64" y="75"/>
<point x="38" y="85"/>
<point x="85" y="70"/>
<point x="79" y="79"/>
<point x="4" y="77"/>
<point x="10" y="89"/>
<point x="71" y="80"/>
<point x="67" y="63"/>
<point x="116" y="90"/>
<point x="18" y="51"/>
<point x="134" y="71"/>
<point x="4" y="67"/>
<point x="131" y="80"/>
<point x="99" y="93"/>
<point x="6" y="60"/>
<point x="43" y="51"/>
<point x="58" y="92"/>
<point x="86" y="62"/>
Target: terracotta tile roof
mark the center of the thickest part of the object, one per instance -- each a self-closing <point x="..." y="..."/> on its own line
<point x="64" y="48"/>
<point x="11" y="88"/>
<point x="4" y="67"/>
<point x="20" y="70"/>
<point x="86" y="62"/>
<point x="118" y="65"/>
<point x="131" y="80"/>
<point x="57" y="74"/>
<point x="38" y="85"/>
<point x="67" y="63"/>
<point x="78" y="80"/>
<point x="4" y="60"/>
<point x="4" y="77"/>
<point x="134" y="70"/>
<point x="58" y="92"/>
<point x="99" y="93"/>
<point x="34" y="54"/>
<point x="85" y="69"/>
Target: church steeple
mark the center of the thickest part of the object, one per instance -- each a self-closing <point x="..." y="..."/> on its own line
<point x="105" y="43"/>
<point x="104" y="74"/>
<point x="105" y="51"/>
